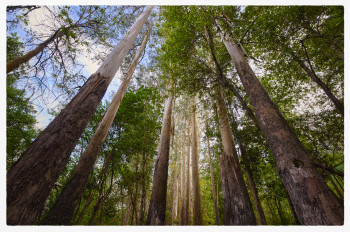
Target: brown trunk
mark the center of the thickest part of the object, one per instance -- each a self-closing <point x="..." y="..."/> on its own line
<point x="156" y="212"/>
<point x="296" y="220"/>
<point x="197" y="204"/>
<point x="314" y="202"/>
<point x="128" y="209"/>
<point x="238" y="209"/>
<point x="31" y="178"/>
<point x="183" y="184"/>
<point x="62" y="211"/>
<point x="86" y="205"/>
<point x="25" y="58"/>
<point x="216" y="208"/>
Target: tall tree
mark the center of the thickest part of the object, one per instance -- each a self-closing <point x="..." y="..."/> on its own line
<point x="238" y="209"/>
<point x="304" y="184"/>
<point x="157" y="205"/>
<point x="31" y="178"/>
<point x="197" y="204"/>
<point x="216" y="208"/>
<point x="62" y="211"/>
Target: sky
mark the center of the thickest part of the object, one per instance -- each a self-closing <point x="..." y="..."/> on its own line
<point x="91" y="67"/>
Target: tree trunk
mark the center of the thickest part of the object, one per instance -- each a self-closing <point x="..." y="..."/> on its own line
<point x="188" y="205"/>
<point x="156" y="212"/>
<point x="175" y="196"/>
<point x="312" y="199"/>
<point x="271" y="211"/>
<point x="197" y="204"/>
<point x="12" y="65"/>
<point x="31" y="178"/>
<point x="238" y="209"/>
<point x="310" y="72"/>
<point x="61" y="213"/>
<point x="128" y="209"/>
<point x="143" y="190"/>
<point x="248" y="172"/>
<point x="86" y="205"/>
<point x="183" y="184"/>
<point x="296" y="220"/>
<point x="216" y="208"/>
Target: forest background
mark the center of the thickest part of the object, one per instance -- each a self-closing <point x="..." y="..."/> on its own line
<point x="3" y="97"/>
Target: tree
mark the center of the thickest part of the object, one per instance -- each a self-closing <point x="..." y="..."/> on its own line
<point x="301" y="179"/>
<point x="62" y="211"/>
<point x="197" y="205"/>
<point x="31" y="178"/>
<point x="157" y="205"/>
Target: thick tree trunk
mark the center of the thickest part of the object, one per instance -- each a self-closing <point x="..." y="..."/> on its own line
<point x="32" y="177"/>
<point x="156" y="212"/>
<point x="197" y="204"/>
<point x="61" y="213"/>
<point x="216" y="208"/>
<point x="238" y="209"/>
<point x="312" y="199"/>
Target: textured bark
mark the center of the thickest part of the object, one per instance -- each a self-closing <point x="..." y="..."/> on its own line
<point x="314" y="202"/>
<point x="238" y="209"/>
<point x="32" y="177"/>
<point x="62" y="211"/>
<point x="197" y="204"/>
<point x="216" y="208"/>
<point x="156" y="212"/>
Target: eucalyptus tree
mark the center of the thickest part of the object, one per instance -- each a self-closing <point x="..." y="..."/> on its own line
<point x="31" y="178"/>
<point x="157" y="205"/>
<point x="294" y="164"/>
<point x="63" y="210"/>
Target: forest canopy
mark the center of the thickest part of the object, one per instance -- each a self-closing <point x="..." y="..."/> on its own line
<point x="175" y="115"/>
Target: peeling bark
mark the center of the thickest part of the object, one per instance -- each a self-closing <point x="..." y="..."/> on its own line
<point x="31" y="178"/>
<point x="314" y="202"/>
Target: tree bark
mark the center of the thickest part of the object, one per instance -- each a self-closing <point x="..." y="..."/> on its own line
<point x="32" y="177"/>
<point x="197" y="204"/>
<point x="61" y="213"/>
<point x="314" y="202"/>
<point x="216" y="208"/>
<point x="183" y="184"/>
<point x="156" y="212"/>
<point x="238" y="209"/>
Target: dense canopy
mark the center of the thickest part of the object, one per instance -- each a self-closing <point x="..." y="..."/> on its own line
<point x="175" y="115"/>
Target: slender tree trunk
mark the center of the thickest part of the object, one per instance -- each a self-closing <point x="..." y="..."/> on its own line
<point x="86" y="205"/>
<point x="61" y="212"/>
<point x="335" y="186"/>
<point x="216" y="208"/>
<point x="183" y="185"/>
<point x="280" y="212"/>
<point x="31" y="178"/>
<point x="238" y="209"/>
<point x="156" y="212"/>
<point x="272" y="212"/>
<point x="14" y="64"/>
<point x="310" y="72"/>
<point x="305" y="186"/>
<point x="248" y="172"/>
<point x="175" y="196"/>
<point x="188" y="205"/>
<point x="197" y="210"/>
<point x="128" y="209"/>
<point x="143" y="190"/>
